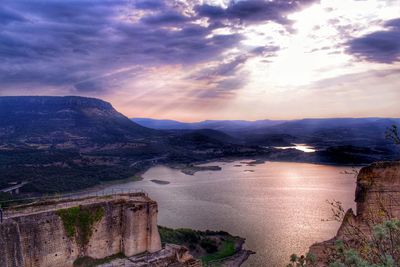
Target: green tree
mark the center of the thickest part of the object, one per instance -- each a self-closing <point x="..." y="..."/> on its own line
<point x="302" y="261"/>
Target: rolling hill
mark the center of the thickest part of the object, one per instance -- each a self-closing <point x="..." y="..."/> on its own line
<point x="57" y="120"/>
<point x="67" y="143"/>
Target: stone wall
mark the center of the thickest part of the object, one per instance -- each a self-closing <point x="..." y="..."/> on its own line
<point x="36" y="236"/>
<point x="377" y="196"/>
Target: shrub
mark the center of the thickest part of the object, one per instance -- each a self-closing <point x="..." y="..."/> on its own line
<point x="209" y="245"/>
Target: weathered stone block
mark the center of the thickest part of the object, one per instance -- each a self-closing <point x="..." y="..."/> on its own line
<point x="36" y="235"/>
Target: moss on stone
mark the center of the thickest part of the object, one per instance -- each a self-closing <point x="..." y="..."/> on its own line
<point x="80" y="221"/>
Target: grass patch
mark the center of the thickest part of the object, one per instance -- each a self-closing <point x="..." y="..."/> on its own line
<point x="136" y="178"/>
<point x="228" y="249"/>
<point x="80" y="220"/>
<point x="90" y="262"/>
<point x="179" y="236"/>
<point x="209" y="245"/>
<point x="216" y="244"/>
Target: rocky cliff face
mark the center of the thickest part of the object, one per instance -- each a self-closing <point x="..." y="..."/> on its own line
<point x="57" y="233"/>
<point x="378" y="198"/>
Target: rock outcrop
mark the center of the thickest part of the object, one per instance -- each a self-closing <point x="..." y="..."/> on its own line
<point x="57" y="232"/>
<point x="170" y="255"/>
<point x="378" y="198"/>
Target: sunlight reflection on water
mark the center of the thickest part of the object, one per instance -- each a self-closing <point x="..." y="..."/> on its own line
<point x="276" y="206"/>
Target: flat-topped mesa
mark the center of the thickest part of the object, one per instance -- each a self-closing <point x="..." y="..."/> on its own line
<point x="378" y="198"/>
<point x="57" y="232"/>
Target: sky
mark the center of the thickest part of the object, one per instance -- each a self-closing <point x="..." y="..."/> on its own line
<point x="193" y="60"/>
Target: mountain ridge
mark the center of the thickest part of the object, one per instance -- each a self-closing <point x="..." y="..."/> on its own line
<point x="169" y="124"/>
<point x="55" y="120"/>
<point x="69" y="143"/>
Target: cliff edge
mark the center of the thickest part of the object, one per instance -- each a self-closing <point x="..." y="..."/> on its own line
<point x="378" y="199"/>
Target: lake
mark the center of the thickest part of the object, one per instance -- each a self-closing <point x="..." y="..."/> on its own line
<point x="277" y="206"/>
<point x="302" y="147"/>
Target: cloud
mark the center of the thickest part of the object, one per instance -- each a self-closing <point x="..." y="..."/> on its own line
<point x="380" y="46"/>
<point x="225" y="77"/>
<point x="9" y="16"/>
<point x="221" y="70"/>
<point x="66" y="43"/>
<point x="251" y="11"/>
<point x="222" y="79"/>
<point x="77" y="46"/>
<point x="353" y="78"/>
<point x="88" y="86"/>
<point x="165" y="18"/>
<point x="149" y="4"/>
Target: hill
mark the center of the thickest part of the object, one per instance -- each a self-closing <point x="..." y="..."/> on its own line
<point x="70" y="120"/>
<point x="228" y="126"/>
<point x="58" y="144"/>
<point x="337" y="140"/>
<point x="331" y="131"/>
<point x="68" y="143"/>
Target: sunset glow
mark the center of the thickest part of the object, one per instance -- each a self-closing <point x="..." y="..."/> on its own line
<point x="195" y="60"/>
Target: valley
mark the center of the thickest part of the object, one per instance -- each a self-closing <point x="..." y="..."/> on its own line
<point x="64" y="144"/>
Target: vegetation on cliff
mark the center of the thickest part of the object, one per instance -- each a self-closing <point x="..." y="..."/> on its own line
<point x="372" y="237"/>
<point x="80" y="221"/>
<point x="381" y="249"/>
<point x="207" y="245"/>
<point x="227" y="249"/>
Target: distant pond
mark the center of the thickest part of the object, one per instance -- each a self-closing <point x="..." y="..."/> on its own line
<point x="277" y="206"/>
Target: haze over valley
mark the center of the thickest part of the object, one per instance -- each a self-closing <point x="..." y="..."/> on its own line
<point x="68" y="143"/>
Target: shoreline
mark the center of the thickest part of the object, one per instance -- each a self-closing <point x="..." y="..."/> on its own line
<point x="135" y="178"/>
<point x="193" y="167"/>
<point x="261" y="160"/>
<point x="186" y="169"/>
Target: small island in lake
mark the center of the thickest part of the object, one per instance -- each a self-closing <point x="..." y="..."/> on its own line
<point x="192" y="169"/>
<point x="160" y="182"/>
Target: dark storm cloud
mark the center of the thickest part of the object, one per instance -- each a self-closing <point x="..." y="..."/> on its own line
<point x="67" y="42"/>
<point x="380" y="46"/>
<point x="77" y="44"/>
<point x="170" y="17"/>
<point x="8" y="16"/>
<point x="251" y="11"/>
<point x="149" y="4"/>
<point x="88" y="86"/>
<point x="189" y="45"/>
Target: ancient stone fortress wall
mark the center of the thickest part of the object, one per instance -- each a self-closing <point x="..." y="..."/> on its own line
<point x="377" y="195"/>
<point x="57" y="232"/>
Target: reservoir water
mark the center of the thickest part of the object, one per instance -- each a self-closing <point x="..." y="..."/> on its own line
<point x="279" y="207"/>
